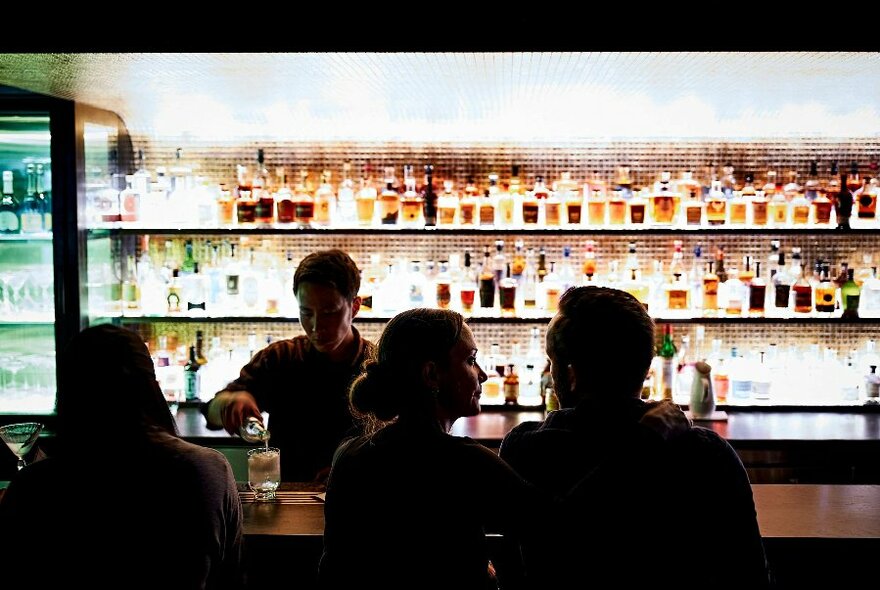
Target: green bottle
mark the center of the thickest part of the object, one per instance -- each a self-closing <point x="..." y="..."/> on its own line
<point x="849" y="294"/>
<point x="667" y="354"/>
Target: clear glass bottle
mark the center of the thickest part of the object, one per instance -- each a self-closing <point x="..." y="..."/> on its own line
<point x="447" y="205"/>
<point x="757" y="293"/>
<point x="468" y="288"/>
<point x="346" y="208"/>
<point x="468" y="209"/>
<point x="366" y="199"/>
<point x="665" y="201"/>
<point x="716" y="205"/>
<point x="303" y="202"/>
<point x="411" y="202"/>
<point x="849" y="295"/>
<point x="694" y="208"/>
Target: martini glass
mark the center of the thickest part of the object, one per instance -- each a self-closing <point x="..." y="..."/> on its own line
<point x="20" y="438"/>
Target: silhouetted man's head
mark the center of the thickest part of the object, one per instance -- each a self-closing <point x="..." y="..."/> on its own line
<point x="600" y="343"/>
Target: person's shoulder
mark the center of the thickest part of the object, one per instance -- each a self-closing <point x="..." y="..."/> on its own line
<point x="288" y="349"/>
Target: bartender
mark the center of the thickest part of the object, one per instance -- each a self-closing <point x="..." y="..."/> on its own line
<point x="302" y="382"/>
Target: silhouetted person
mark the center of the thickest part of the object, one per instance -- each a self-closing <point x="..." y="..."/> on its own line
<point x="408" y="504"/>
<point x="302" y="382"/>
<point x="122" y="502"/>
<point x="685" y="517"/>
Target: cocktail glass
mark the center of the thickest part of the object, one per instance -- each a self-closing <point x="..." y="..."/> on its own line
<point x="20" y="438"/>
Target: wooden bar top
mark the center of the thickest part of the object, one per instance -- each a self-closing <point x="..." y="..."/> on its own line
<point x="785" y="511"/>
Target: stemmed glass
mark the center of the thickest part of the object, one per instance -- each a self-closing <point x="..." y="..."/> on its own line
<point x="20" y="438"/>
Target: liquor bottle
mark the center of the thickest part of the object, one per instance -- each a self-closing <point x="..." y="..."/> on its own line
<point x="191" y="376"/>
<point x="552" y="290"/>
<point x="757" y="293"/>
<point x="444" y="286"/>
<point x="571" y="199"/>
<point x="189" y="261"/>
<point x="716" y="205"/>
<point x="468" y="288"/>
<point x="173" y="293"/>
<point x="778" y="205"/>
<point x="366" y="199"/>
<point x="541" y="271"/>
<point x="728" y="181"/>
<point x="487" y="283"/>
<point x="665" y="201"/>
<point x="694" y="208"/>
<point x="746" y="274"/>
<point x="493" y="384"/>
<point x="802" y="298"/>
<point x="303" y="202"/>
<point x="488" y="202"/>
<point x="469" y="204"/>
<point x="411" y="202"/>
<point x="867" y="200"/>
<point x="588" y="268"/>
<point x="800" y="209"/>
<point x="677" y="294"/>
<point x="225" y="206"/>
<point x="389" y="200"/>
<point x="131" y="296"/>
<point x="529" y="282"/>
<point x="812" y="187"/>
<point x="518" y="264"/>
<point x="849" y="295"/>
<point x="245" y="205"/>
<point x="719" y="265"/>
<point x="273" y="291"/>
<point x="782" y="281"/>
<point x="760" y="209"/>
<point x="264" y="213"/>
<point x="325" y="202"/>
<point x="737" y="207"/>
<point x="499" y="261"/>
<point x="534" y="210"/>
<point x="825" y="292"/>
<point x="511" y="385"/>
<point x="548" y="201"/>
<point x="516" y="194"/>
<point x="844" y="201"/>
<point x="617" y="209"/>
<point x="429" y="198"/>
<point x="285" y="211"/>
<point x="346" y="208"/>
<point x="10" y="222"/>
<point x="710" y="291"/>
<point x="507" y="294"/>
<point x="447" y="204"/>
<point x="594" y="195"/>
<point x="667" y="372"/>
<point x="30" y="213"/>
<point x="196" y="290"/>
<point x="638" y="208"/>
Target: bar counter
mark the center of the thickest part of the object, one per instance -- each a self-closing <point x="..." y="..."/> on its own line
<point x="832" y="446"/>
<point x="813" y="534"/>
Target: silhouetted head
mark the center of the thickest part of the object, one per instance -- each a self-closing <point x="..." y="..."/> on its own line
<point x="424" y="367"/>
<point x="600" y="343"/>
<point x="108" y="393"/>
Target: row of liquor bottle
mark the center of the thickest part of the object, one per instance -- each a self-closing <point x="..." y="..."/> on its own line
<point x="194" y="373"/>
<point x="809" y="374"/>
<point x="221" y="281"/>
<point x="847" y="200"/>
<point x="26" y="211"/>
<point x="518" y="375"/>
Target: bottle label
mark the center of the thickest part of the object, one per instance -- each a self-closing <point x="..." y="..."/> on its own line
<point x="9" y="222"/>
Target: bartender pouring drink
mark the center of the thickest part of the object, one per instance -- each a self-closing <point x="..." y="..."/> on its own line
<point x="302" y="382"/>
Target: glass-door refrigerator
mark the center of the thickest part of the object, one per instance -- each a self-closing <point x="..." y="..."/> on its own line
<point x="55" y="273"/>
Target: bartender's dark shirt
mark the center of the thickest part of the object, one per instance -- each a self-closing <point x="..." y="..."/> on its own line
<point x="306" y="396"/>
<point x="687" y="516"/>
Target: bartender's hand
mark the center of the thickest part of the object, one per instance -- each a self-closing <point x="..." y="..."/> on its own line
<point x="238" y="409"/>
<point x="666" y="419"/>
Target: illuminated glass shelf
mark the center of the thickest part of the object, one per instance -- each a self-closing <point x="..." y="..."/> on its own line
<point x="28" y="319"/>
<point x="372" y="319"/>
<point x="134" y="229"/>
<point x="35" y="237"/>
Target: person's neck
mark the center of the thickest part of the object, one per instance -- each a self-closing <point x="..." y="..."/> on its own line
<point x="346" y="352"/>
<point x="596" y="398"/>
